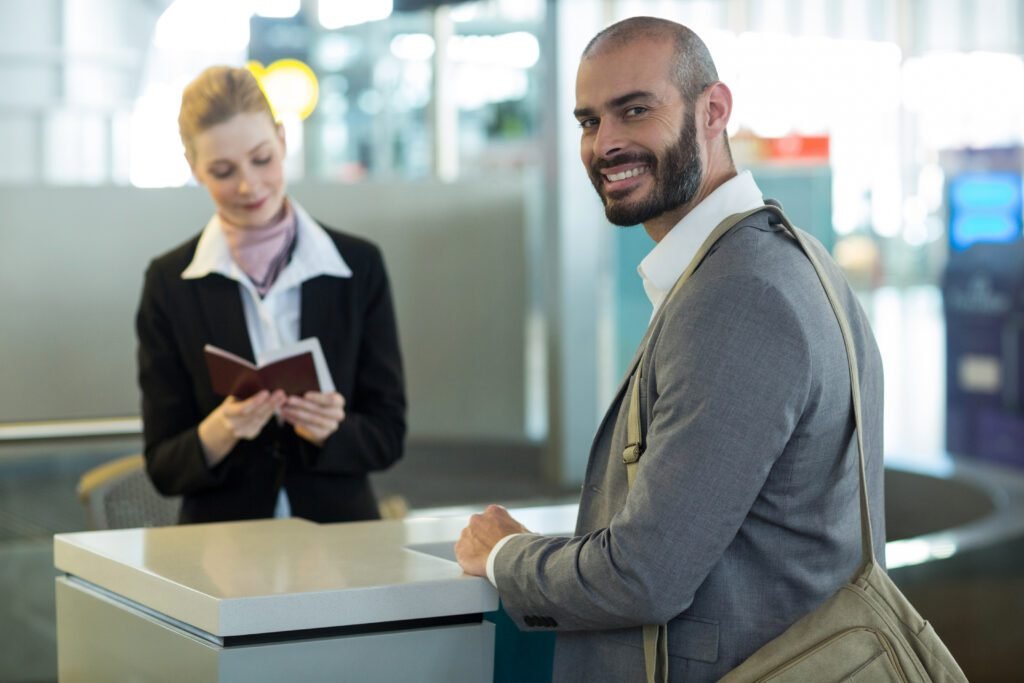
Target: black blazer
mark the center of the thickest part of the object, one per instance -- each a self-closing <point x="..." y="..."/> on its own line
<point x="355" y="322"/>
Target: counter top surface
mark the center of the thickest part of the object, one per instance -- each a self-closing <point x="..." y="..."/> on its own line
<point x="241" y="578"/>
<point x="265" y="576"/>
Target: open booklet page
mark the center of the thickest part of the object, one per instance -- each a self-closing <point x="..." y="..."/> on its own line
<point x="311" y="345"/>
<point x="295" y="368"/>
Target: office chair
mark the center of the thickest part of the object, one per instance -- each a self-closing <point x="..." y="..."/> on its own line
<point x="119" y="495"/>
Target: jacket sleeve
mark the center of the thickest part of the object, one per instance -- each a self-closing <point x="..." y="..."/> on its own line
<point x="170" y="416"/>
<point x="372" y="435"/>
<point x="725" y="385"/>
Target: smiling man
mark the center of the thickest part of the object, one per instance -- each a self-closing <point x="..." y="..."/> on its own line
<point x="640" y="145"/>
<point x="743" y="515"/>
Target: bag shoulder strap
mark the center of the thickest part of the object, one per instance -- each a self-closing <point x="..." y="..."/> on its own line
<point x="656" y="636"/>
<point x="634" y="437"/>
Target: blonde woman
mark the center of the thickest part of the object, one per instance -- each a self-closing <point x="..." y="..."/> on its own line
<point x="260" y="275"/>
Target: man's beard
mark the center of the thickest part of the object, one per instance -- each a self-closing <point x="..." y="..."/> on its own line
<point x="676" y="179"/>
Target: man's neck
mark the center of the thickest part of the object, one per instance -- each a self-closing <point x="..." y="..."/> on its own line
<point x="660" y="226"/>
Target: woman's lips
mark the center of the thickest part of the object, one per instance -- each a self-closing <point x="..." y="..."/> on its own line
<point x="254" y="206"/>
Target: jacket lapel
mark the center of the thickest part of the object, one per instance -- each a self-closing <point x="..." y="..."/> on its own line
<point x="220" y="300"/>
<point x="613" y="407"/>
<point x="722" y="229"/>
<point x="321" y="315"/>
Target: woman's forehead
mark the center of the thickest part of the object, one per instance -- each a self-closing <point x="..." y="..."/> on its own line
<point x="239" y="136"/>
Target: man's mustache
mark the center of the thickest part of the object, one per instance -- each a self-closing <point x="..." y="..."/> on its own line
<point x="624" y="158"/>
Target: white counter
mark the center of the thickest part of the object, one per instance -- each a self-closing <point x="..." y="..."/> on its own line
<point x="280" y="584"/>
<point x="278" y="575"/>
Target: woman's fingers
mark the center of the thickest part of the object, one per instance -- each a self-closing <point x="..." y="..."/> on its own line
<point x="315" y="415"/>
<point x="247" y="418"/>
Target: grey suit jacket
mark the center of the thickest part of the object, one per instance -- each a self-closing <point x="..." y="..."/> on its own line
<point x="744" y="515"/>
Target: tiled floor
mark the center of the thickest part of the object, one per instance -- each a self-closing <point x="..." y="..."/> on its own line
<point x="976" y="600"/>
<point x="37" y="499"/>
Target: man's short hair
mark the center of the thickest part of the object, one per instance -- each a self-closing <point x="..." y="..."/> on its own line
<point x="694" y="70"/>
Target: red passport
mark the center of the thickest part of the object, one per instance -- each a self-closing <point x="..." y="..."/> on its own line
<point x="292" y="369"/>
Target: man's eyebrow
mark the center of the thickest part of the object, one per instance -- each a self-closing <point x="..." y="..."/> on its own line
<point x="629" y="97"/>
<point x="616" y="102"/>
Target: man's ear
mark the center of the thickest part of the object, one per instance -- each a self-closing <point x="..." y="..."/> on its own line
<point x="717" y="109"/>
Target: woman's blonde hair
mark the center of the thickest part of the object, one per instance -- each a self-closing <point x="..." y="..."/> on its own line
<point x="216" y="95"/>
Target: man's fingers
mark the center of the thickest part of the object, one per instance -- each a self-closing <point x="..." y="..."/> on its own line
<point x="494" y="523"/>
<point x="470" y="552"/>
<point x="498" y="511"/>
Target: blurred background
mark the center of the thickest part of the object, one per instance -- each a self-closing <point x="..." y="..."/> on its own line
<point x="890" y="129"/>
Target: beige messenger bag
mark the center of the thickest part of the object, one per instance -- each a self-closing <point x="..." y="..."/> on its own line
<point x="867" y="631"/>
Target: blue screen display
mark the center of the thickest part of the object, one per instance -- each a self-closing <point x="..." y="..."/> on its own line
<point x="984" y="207"/>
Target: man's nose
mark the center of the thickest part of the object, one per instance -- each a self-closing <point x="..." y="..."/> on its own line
<point x="609" y="139"/>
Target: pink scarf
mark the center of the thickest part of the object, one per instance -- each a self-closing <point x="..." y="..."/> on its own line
<point x="263" y="252"/>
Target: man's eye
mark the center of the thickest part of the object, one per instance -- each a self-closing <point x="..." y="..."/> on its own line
<point x="588" y="123"/>
<point x="635" y="111"/>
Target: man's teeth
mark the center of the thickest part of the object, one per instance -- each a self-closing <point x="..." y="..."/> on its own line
<point x="626" y="174"/>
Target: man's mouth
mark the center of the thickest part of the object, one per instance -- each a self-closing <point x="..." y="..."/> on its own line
<point x="624" y="175"/>
<point x="621" y="180"/>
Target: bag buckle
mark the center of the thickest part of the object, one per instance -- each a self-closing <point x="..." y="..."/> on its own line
<point x="631" y="453"/>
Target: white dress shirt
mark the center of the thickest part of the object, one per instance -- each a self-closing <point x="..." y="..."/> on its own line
<point x="668" y="259"/>
<point x="273" y="320"/>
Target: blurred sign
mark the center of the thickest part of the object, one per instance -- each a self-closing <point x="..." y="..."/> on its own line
<point x="798" y="148"/>
<point x="983" y="195"/>
<point x="788" y="150"/>
<point x="984" y="206"/>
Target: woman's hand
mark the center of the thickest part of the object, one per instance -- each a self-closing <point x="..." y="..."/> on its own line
<point x="315" y="415"/>
<point x="234" y="420"/>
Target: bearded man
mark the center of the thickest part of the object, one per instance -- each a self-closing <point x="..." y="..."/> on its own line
<point x="744" y="514"/>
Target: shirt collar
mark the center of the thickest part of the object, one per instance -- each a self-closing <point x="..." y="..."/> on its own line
<point x="315" y="254"/>
<point x="666" y="261"/>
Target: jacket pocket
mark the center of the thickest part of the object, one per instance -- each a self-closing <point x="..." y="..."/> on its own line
<point x="693" y="638"/>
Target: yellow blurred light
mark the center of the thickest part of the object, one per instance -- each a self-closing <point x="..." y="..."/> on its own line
<point x="290" y="85"/>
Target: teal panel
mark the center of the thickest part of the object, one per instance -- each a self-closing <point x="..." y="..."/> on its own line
<point x="632" y="309"/>
<point x="805" y="193"/>
<point x="520" y="656"/>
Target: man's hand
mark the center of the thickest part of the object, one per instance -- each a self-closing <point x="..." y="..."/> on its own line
<point x="315" y="415"/>
<point x="485" y="529"/>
